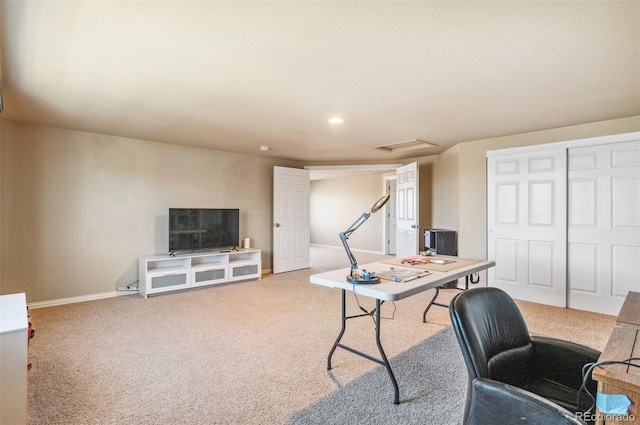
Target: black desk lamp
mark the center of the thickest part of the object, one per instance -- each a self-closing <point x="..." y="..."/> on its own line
<point x="365" y="277"/>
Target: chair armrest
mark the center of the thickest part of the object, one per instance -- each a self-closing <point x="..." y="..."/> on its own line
<point x="497" y="403"/>
<point x="562" y="361"/>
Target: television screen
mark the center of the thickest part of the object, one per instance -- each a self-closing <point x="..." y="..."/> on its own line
<point x="194" y="229"/>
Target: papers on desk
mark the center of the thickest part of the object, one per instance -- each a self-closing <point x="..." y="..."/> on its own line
<point x="439" y="263"/>
<point x="418" y="261"/>
<point x="402" y="275"/>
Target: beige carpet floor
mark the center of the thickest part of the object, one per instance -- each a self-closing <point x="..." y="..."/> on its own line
<point x="250" y="353"/>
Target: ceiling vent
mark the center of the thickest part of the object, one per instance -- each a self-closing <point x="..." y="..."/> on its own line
<point x="407" y="146"/>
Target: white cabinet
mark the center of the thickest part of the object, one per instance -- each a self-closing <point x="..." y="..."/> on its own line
<point x="244" y="266"/>
<point x="14" y="323"/>
<point x="209" y="274"/>
<point x="163" y="273"/>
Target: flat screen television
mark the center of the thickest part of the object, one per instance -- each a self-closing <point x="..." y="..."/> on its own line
<point x="199" y="229"/>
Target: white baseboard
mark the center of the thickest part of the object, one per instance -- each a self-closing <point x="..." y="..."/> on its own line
<point x="93" y="297"/>
<point x="82" y="298"/>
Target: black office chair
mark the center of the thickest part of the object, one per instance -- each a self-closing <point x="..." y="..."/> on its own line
<point x="516" y="378"/>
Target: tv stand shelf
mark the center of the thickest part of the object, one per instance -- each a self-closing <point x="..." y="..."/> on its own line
<point x="165" y="273"/>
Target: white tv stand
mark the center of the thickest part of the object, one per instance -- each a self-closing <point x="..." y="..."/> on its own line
<point x="164" y="273"/>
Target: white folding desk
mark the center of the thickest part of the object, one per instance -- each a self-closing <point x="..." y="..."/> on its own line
<point x="388" y="290"/>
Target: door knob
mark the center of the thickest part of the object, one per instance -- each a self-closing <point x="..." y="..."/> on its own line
<point x="276" y="225"/>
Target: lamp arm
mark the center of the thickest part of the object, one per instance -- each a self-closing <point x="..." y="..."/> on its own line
<point x="345" y="235"/>
<point x="356" y="224"/>
<point x="352" y="259"/>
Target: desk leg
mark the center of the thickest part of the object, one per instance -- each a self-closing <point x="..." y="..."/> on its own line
<point x="344" y="326"/>
<point x="424" y="314"/>
<point x="384" y="361"/>
<point x="396" y="398"/>
<point x="432" y="302"/>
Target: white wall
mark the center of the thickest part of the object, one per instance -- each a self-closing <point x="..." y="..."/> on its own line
<point x="448" y="170"/>
<point x="79" y="208"/>
<point x="340" y="193"/>
<point x="337" y="203"/>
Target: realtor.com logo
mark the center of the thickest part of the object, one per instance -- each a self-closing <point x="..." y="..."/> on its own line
<point x="605" y="417"/>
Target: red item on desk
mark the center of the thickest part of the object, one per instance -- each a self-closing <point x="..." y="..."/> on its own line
<point x="414" y="261"/>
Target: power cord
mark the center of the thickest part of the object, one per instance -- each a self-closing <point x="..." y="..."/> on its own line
<point x="587" y="370"/>
<point x="372" y="312"/>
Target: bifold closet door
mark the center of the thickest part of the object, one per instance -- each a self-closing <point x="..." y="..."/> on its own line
<point x="603" y="225"/>
<point x="526" y="213"/>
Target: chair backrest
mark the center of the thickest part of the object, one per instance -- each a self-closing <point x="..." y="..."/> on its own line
<point x="493" y="336"/>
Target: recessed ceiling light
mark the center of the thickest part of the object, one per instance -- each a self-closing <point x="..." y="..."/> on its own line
<point x="264" y="148"/>
<point x="336" y="120"/>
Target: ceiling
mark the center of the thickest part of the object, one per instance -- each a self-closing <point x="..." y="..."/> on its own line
<point x="235" y="76"/>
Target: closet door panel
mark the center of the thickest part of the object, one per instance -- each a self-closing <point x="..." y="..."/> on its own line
<point x="526" y="203"/>
<point x="625" y="270"/>
<point x="603" y="226"/>
<point x="506" y="258"/>
<point x="583" y="198"/>
<point x="583" y="266"/>
<point x="541" y="263"/>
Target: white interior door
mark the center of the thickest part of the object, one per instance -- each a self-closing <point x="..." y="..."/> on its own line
<point x="290" y="219"/>
<point x="526" y="212"/>
<point x="407" y="212"/>
<point x="603" y="225"/>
